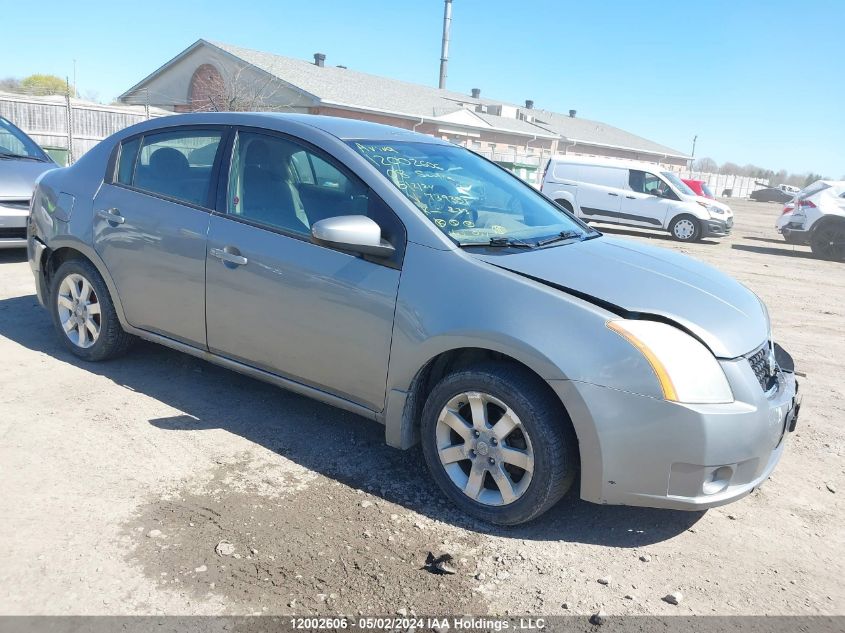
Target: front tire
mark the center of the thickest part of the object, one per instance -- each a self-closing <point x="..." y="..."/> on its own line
<point x="685" y="228"/>
<point x="498" y="443"/>
<point x="83" y="313"/>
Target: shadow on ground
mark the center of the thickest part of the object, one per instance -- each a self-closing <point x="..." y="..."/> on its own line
<point x="334" y="443"/>
<point x="657" y="235"/>
<point x="787" y="251"/>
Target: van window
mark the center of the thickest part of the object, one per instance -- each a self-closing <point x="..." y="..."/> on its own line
<point x="645" y="182"/>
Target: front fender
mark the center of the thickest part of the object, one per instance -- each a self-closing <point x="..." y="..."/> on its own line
<point x="449" y="300"/>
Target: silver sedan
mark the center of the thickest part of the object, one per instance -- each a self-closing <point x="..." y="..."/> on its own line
<point x="417" y="284"/>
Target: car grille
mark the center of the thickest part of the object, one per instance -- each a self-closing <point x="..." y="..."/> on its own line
<point x="759" y="361"/>
<point x="23" y="205"/>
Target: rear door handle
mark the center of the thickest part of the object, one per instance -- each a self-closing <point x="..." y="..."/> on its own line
<point x="112" y="215"/>
<point x="631" y="197"/>
<point x="232" y="258"/>
<point x="612" y="194"/>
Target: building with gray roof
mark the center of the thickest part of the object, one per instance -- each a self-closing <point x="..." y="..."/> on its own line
<point x="218" y="76"/>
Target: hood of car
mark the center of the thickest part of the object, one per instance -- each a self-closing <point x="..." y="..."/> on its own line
<point x="719" y="310"/>
<point x="17" y="177"/>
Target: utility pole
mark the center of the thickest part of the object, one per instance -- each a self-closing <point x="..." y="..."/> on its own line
<point x="692" y="156"/>
<point x="444" y="49"/>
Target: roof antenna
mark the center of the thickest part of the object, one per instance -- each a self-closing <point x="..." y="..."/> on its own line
<point x="444" y="50"/>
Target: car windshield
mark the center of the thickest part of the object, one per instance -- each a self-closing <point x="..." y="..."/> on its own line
<point x="680" y="185"/>
<point x="13" y="142"/>
<point x="467" y="197"/>
<point x="707" y="190"/>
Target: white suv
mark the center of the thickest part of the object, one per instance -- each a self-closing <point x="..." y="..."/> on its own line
<point x="633" y="194"/>
<point x="818" y="219"/>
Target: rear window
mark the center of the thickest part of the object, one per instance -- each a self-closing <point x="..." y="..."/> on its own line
<point x="813" y="189"/>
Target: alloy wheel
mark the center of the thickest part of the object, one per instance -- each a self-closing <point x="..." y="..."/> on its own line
<point x="830" y="243"/>
<point x="484" y="448"/>
<point x="79" y="310"/>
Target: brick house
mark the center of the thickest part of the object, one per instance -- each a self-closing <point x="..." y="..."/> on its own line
<point x="217" y="76"/>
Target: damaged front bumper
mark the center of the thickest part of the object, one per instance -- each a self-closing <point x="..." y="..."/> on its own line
<point x="645" y="451"/>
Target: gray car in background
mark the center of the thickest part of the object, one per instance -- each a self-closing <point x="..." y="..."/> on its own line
<point x="22" y="161"/>
<point x="417" y="284"/>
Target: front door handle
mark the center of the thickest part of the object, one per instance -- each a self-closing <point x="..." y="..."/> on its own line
<point x="612" y="194"/>
<point x="232" y="258"/>
<point x="112" y="215"/>
<point x="631" y="197"/>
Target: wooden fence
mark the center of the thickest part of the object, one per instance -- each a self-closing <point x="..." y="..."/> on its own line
<point x="67" y="127"/>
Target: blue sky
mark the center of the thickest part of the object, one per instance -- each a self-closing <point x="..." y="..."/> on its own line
<point x="758" y="82"/>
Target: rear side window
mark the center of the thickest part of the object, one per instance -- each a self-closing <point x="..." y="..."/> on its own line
<point x="126" y="162"/>
<point x="176" y="164"/>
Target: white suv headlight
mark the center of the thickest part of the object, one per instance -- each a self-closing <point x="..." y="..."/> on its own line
<point x="715" y="210"/>
<point x="686" y="370"/>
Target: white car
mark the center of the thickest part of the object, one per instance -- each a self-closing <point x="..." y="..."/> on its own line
<point x="633" y="194"/>
<point x="817" y="218"/>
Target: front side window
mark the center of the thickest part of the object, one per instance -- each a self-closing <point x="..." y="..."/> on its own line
<point x="284" y="185"/>
<point x="468" y="198"/>
<point x="645" y="182"/>
<point x="175" y="164"/>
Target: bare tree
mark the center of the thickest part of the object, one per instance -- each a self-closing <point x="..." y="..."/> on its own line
<point x="10" y="84"/>
<point x="706" y="165"/>
<point x="236" y="90"/>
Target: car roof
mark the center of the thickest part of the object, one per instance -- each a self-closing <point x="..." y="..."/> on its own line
<point x="619" y="163"/>
<point x="342" y="128"/>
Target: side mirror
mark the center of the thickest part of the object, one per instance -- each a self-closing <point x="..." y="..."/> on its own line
<point x="356" y="233"/>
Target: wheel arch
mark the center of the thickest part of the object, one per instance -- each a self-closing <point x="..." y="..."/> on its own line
<point x="61" y="251"/>
<point x="827" y="220"/>
<point x="404" y="405"/>
<point x="564" y="198"/>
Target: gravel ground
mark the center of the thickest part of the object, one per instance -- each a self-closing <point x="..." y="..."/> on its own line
<point x="121" y="481"/>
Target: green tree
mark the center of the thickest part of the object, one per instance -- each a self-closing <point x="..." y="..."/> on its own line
<point x="46" y="85"/>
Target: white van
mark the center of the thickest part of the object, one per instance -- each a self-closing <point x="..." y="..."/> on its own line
<point x="633" y="194"/>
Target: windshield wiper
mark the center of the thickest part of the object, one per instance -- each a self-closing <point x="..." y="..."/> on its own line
<point x="509" y="241"/>
<point x="563" y="235"/>
<point x="24" y="156"/>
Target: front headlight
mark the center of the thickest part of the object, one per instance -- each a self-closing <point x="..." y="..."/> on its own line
<point x="715" y="210"/>
<point x="686" y="370"/>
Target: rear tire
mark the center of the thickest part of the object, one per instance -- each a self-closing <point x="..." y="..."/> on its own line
<point x="686" y="228"/>
<point x="828" y="241"/>
<point x="83" y="313"/>
<point x="498" y="443"/>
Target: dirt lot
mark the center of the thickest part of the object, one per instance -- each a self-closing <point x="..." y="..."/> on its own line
<point x="118" y="481"/>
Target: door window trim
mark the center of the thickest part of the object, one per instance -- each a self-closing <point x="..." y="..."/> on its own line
<point x="226" y="132"/>
<point x="221" y="207"/>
